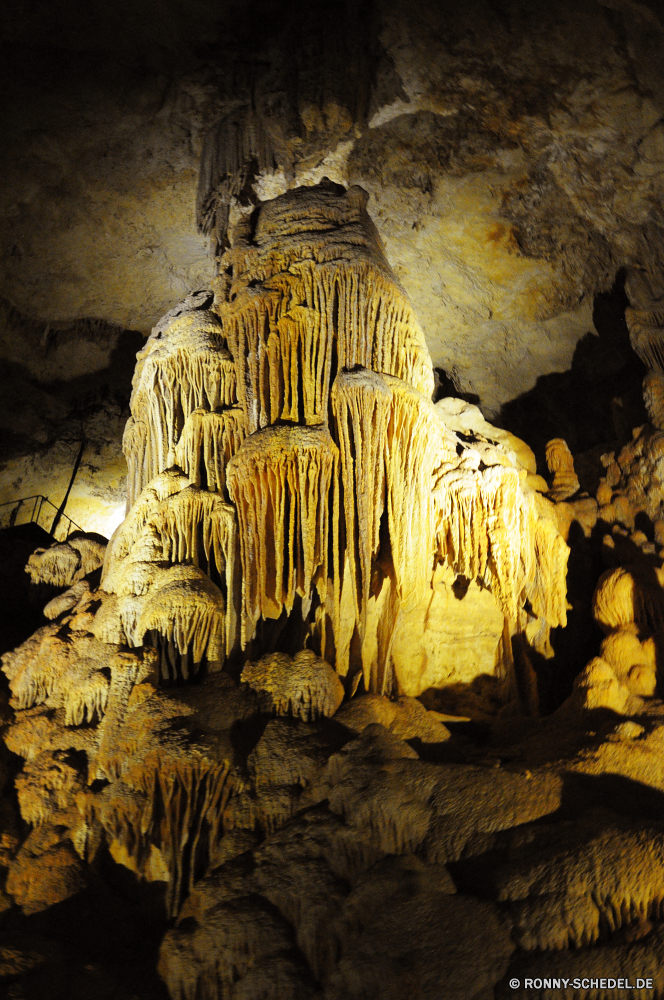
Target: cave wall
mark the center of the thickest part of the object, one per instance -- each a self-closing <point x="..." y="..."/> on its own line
<point x="511" y="154"/>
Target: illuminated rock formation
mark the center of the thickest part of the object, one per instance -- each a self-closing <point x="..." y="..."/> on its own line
<point x="320" y="331"/>
<point x="281" y="484"/>
<point x="299" y="507"/>
<point x="653" y="397"/>
<point x="184" y="367"/>
<point x="65" y="563"/>
<point x="304" y="686"/>
<point x="561" y="465"/>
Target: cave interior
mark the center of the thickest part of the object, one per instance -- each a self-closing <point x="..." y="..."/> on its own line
<point x="331" y="500"/>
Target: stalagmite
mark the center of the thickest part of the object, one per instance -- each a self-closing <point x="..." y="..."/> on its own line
<point x="182" y="368"/>
<point x="598" y="686"/>
<point x="624" y="595"/>
<point x="561" y="465"/>
<point x="281" y="483"/>
<point x="323" y="505"/>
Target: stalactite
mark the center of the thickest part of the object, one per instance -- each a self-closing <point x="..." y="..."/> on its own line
<point x="65" y="563"/>
<point x="135" y="450"/>
<point x="188" y="610"/>
<point x="645" y="317"/>
<point x="237" y="146"/>
<point x="313" y="294"/>
<point x="413" y="436"/>
<point x="567" y="891"/>
<point x="57" y="565"/>
<point x="194" y="527"/>
<point x="184" y="368"/>
<point x="188" y="526"/>
<point x="283" y="339"/>
<point x="127" y="533"/>
<point x="164" y="793"/>
<point x="176" y="805"/>
<point x="387" y="431"/>
<point x="61" y="672"/>
<point x="338" y="489"/>
<point x="480" y="522"/>
<point x="489" y="528"/>
<point x="646" y="334"/>
<point x="361" y="403"/>
<point x="544" y="555"/>
<point x="653" y="397"/>
<point x="207" y="443"/>
<point x="280" y="481"/>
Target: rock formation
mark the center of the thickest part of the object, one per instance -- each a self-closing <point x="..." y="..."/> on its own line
<point x="319" y="490"/>
<point x="309" y="725"/>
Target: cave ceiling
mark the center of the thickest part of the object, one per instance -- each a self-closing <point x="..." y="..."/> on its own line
<point x="512" y="154"/>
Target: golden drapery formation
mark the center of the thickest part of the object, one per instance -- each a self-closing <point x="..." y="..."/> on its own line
<point x="297" y="405"/>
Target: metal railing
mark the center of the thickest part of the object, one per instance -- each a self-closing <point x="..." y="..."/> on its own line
<point x="37" y="510"/>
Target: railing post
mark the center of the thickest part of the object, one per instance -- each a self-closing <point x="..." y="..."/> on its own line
<point x="61" y="508"/>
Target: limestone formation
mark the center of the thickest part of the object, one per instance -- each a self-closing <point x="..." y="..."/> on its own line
<point x="305" y="686"/>
<point x="311" y="545"/>
<point x="66" y="563"/>
<point x="645" y="320"/>
<point x="281" y="482"/>
<point x="318" y="727"/>
<point x="561" y="465"/>
<point x="184" y="367"/>
<point x="614" y="879"/>
<point x="653" y="397"/>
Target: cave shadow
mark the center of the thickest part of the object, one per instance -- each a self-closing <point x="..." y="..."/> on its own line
<point x="445" y="386"/>
<point x="47" y="408"/>
<point x="107" y="933"/>
<point x="21" y="600"/>
<point x="589" y="804"/>
<point x="109" y="384"/>
<point x="613" y="794"/>
<point x="576" y="644"/>
<point x="597" y="402"/>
